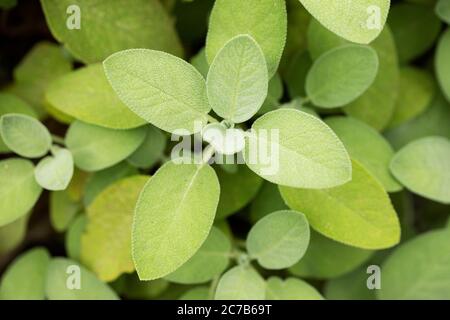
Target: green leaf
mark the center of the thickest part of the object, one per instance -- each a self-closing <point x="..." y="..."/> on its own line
<point x="25" y="135"/>
<point x="237" y="81"/>
<point x="418" y="269"/>
<point x="290" y="289"/>
<point x="25" y="277"/>
<point x="62" y="210"/>
<point x="18" y="189"/>
<point x="266" y="201"/>
<point x="55" y="172"/>
<point x="359" y="22"/>
<point x="423" y="167"/>
<point x="12" y="234"/>
<point x="209" y="261"/>
<point x="108" y="27"/>
<point x="286" y="137"/>
<point x="295" y="76"/>
<point x="143" y="290"/>
<point x="73" y="237"/>
<point x="200" y="63"/>
<point x="150" y="151"/>
<point x="417" y="90"/>
<point x="237" y="190"/>
<point x="106" y="242"/>
<point x="96" y="148"/>
<point x="346" y="213"/>
<point x="274" y="95"/>
<point x="328" y="259"/>
<point x="279" y="240"/>
<point x="199" y="293"/>
<point x="443" y="64"/>
<point x="367" y="146"/>
<point x="86" y="95"/>
<point x="177" y="198"/>
<point x="62" y="277"/>
<point x="241" y="283"/>
<point x="230" y="18"/>
<point x="341" y="75"/>
<point x="352" y="286"/>
<point x="407" y="21"/>
<point x="101" y="179"/>
<point x="443" y="10"/>
<point x="165" y="90"/>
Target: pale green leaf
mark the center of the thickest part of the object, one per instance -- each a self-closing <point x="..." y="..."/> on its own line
<point x="423" y="166"/>
<point x="150" y="151"/>
<point x="18" y="189"/>
<point x="199" y="293"/>
<point x="209" y="261"/>
<point x="241" y="283"/>
<point x="341" y="75"/>
<point x="290" y="289"/>
<point x="443" y="64"/>
<point x="279" y="240"/>
<point x="55" y="172"/>
<point x="106" y="242"/>
<point x="237" y="81"/>
<point x="86" y="95"/>
<point x="346" y="213"/>
<point x="95" y="148"/>
<point x="357" y="21"/>
<point x="110" y="26"/>
<point x="287" y="137"/>
<point x="230" y="18"/>
<point x="200" y="63"/>
<point x="274" y="95"/>
<point x="62" y="276"/>
<point x="25" y="277"/>
<point x="165" y="90"/>
<point x="25" y="135"/>
<point x="177" y="198"/>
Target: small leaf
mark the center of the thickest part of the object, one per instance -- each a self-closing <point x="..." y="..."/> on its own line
<point x="150" y="151"/>
<point x="290" y="289"/>
<point x="285" y="136"/>
<point x="241" y="283"/>
<point x="339" y="213"/>
<point x="237" y="80"/>
<point x="25" y="277"/>
<point x="209" y="261"/>
<point x="55" y="172"/>
<point x="199" y="293"/>
<point x="62" y="271"/>
<point x="418" y="269"/>
<point x="86" y="95"/>
<point x="279" y="240"/>
<point x="341" y="75"/>
<point x="360" y="21"/>
<point x="108" y="27"/>
<point x="18" y="189"/>
<point x="442" y="63"/>
<point x="165" y="90"/>
<point x="25" y="135"/>
<point x="96" y="148"/>
<point x="73" y="237"/>
<point x="230" y="18"/>
<point x="423" y="167"/>
<point x="177" y="198"/>
<point x="106" y="242"/>
<point x="443" y="10"/>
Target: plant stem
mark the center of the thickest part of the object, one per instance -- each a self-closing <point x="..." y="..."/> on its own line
<point x="58" y="140"/>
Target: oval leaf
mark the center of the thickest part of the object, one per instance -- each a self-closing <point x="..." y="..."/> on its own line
<point x="241" y="283"/>
<point x="55" y="172"/>
<point x="290" y="289"/>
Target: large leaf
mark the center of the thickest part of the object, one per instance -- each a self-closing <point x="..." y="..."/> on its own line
<point x="209" y="261"/>
<point x="237" y="80"/>
<point x="357" y="21"/>
<point x="86" y="94"/>
<point x="108" y="26"/>
<point x="96" y="148"/>
<point x="230" y="18"/>
<point x="55" y="172"/>
<point x="18" y="189"/>
<point x="423" y="166"/>
<point x="241" y="283"/>
<point x="418" y="269"/>
<point x="290" y="289"/>
<point x="165" y="90"/>
<point x="282" y="149"/>
<point x="25" y="277"/>
<point x="443" y="64"/>
<point x="346" y="213"/>
<point x="106" y="242"/>
<point x="341" y="75"/>
<point x="62" y="271"/>
<point x="279" y="240"/>
<point x="367" y="146"/>
<point x="176" y="199"/>
<point x="25" y="135"/>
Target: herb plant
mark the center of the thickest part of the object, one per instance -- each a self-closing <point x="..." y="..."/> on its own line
<point x="228" y="149"/>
